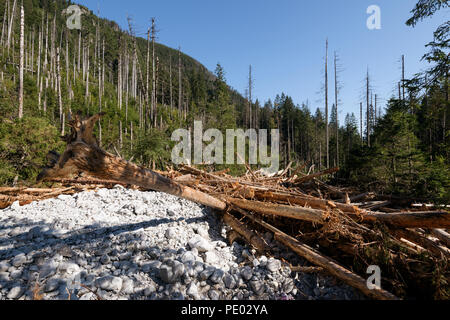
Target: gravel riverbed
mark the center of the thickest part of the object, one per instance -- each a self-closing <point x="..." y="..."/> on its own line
<point x="126" y="244"/>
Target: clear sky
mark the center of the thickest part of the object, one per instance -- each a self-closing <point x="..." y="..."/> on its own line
<point x="284" y="41"/>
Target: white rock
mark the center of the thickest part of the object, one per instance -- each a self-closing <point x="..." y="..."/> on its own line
<point x="127" y="286"/>
<point x="15" y="206"/>
<point x="221" y="244"/>
<point x="48" y="269"/>
<point x="273" y="265"/>
<point x="19" y="260"/>
<point x="68" y="267"/>
<point x="202" y="232"/>
<point x="171" y="233"/>
<point x="263" y="261"/>
<point x="88" y="296"/>
<point x="65" y="197"/>
<point x="200" y="243"/>
<point x="149" y="290"/>
<point x="109" y="283"/>
<point x="51" y="285"/>
<point x="211" y="258"/>
<point x="4" y="266"/>
<point x="15" y="293"/>
<point x="188" y="256"/>
<point x="192" y="289"/>
<point x="140" y="208"/>
<point x="103" y="193"/>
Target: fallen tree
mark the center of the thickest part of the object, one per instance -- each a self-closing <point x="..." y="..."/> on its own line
<point x="83" y="154"/>
<point x="425" y="219"/>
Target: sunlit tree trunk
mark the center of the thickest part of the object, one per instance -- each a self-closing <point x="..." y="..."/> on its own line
<point x="22" y="35"/>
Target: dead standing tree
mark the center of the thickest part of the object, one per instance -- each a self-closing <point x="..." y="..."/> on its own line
<point x="327" y="135"/>
<point x="22" y="34"/>
<point x="83" y="154"/>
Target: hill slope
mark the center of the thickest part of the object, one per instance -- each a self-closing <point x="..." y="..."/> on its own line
<point x="98" y="68"/>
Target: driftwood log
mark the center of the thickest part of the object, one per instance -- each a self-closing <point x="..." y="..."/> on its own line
<point x="425" y="219"/>
<point x="299" y="213"/>
<point x="250" y="236"/>
<point x="83" y="154"/>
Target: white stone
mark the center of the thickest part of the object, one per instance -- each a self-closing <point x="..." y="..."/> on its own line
<point x="109" y="283"/>
<point x="200" y="243"/>
<point x="211" y="258"/>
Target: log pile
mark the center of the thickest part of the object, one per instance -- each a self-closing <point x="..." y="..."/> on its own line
<point x="337" y="230"/>
<point x="342" y="236"/>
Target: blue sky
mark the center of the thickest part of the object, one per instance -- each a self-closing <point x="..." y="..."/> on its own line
<point x="284" y="41"/>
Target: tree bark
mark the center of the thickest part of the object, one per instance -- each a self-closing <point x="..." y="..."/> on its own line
<point x="336" y="104"/>
<point x="250" y="236"/>
<point x="327" y="136"/>
<point x="61" y="111"/>
<point x="299" y="213"/>
<point x="11" y="20"/>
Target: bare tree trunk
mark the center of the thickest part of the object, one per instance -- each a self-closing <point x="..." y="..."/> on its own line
<point x="361" y="121"/>
<point x="126" y="78"/>
<point x="403" y="77"/>
<point x="250" y="96"/>
<point x="41" y="33"/>
<point x="131" y="135"/>
<point x="53" y="56"/>
<point x="22" y="31"/>
<point x="84" y="62"/>
<point x="87" y="73"/>
<point x="61" y="111"/>
<point x="25" y="50"/>
<point x="119" y="82"/>
<point x="4" y="26"/>
<point x="46" y="45"/>
<point x="103" y="66"/>
<point x="74" y="62"/>
<point x="375" y="115"/>
<point x="79" y="51"/>
<point x="11" y="20"/>
<point x="120" y="135"/>
<point x="337" y="109"/>
<point x="444" y="118"/>
<point x="320" y="156"/>
<point x="32" y="52"/>
<point x="40" y="93"/>
<point x="179" y="79"/>
<point x="158" y="80"/>
<point x="368" y="109"/>
<point x="170" y="81"/>
<point x="127" y="72"/>
<point x="100" y="93"/>
<point x="293" y="136"/>
<point x="45" y="97"/>
<point x="327" y="135"/>
<point x="153" y="74"/>
<point x="147" y="82"/>
<point x="247" y="110"/>
<point x="289" y="140"/>
<point x="162" y="90"/>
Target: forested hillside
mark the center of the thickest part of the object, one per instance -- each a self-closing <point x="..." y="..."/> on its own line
<point x="147" y="90"/>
